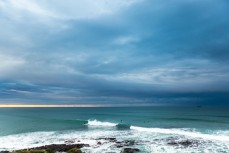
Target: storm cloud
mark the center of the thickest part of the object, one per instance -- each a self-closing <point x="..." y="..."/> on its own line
<point x="133" y="52"/>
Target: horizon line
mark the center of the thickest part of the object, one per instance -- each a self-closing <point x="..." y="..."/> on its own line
<point x="66" y="105"/>
<point x="45" y="105"/>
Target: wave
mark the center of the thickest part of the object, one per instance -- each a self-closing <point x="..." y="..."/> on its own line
<point x="182" y="132"/>
<point x="173" y="131"/>
<point x="119" y="126"/>
<point x="80" y="122"/>
<point x="101" y="124"/>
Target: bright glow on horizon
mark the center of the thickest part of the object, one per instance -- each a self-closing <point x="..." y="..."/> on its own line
<point x="43" y="106"/>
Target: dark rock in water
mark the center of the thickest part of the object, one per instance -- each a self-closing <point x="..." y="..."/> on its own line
<point x="73" y="148"/>
<point x="185" y="143"/>
<point x="62" y="147"/>
<point x="129" y="142"/>
<point x="120" y="144"/>
<point x="37" y="151"/>
<point x="99" y="143"/>
<point x="30" y="151"/>
<point x="109" y="139"/>
<point x="69" y="141"/>
<point x="130" y="150"/>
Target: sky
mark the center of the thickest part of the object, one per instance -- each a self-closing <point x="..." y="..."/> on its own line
<point x="102" y="52"/>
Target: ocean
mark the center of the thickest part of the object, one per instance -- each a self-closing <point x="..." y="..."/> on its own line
<point x="151" y="129"/>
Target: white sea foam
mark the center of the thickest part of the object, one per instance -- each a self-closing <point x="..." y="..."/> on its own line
<point x="99" y="123"/>
<point x="182" y="132"/>
<point x="36" y="139"/>
<point x="221" y="132"/>
<point x="146" y="138"/>
<point x="25" y="140"/>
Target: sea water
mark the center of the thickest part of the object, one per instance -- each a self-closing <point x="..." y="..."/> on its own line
<point x="153" y="129"/>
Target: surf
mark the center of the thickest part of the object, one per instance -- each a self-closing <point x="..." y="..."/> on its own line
<point x="173" y="131"/>
<point x="119" y="126"/>
<point x="182" y="132"/>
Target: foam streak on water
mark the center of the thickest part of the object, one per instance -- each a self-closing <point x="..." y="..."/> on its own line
<point x="181" y="132"/>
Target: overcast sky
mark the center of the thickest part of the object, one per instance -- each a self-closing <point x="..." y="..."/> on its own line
<point x="125" y="52"/>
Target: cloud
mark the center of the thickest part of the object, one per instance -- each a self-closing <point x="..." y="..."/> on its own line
<point x="9" y="63"/>
<point x="66" y="11"/>
<point x="119" y="52"/>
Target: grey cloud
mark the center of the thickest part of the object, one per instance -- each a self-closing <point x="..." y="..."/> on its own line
<point x="149" y="52"/>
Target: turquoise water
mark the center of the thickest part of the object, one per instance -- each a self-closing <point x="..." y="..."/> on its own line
<point x="151" y="127"/>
